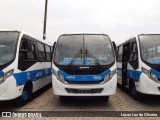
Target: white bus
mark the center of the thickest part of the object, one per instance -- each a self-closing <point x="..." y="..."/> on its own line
<point x="84" y="65"/>
<point x="138" y="62"/>
<point x="25" y="66"/>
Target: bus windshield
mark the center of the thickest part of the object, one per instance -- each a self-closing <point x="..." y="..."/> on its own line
<point x="7" y="46"/>
<point x="150" y="48"/>
<point x="84" y="49"/>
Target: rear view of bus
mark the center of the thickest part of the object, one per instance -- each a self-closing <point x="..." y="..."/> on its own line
<point x="84" y="65"/>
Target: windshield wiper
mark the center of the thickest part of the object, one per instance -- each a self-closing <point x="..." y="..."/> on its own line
<point x="75" y="56"/>
<point x="87" y="53"/>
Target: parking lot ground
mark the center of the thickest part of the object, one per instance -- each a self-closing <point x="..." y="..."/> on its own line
<point x="44" y="100"/>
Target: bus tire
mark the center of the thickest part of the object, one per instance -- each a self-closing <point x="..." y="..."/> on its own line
<point x="136" y="94"/>
<point x="25" y="97"/>
<point x="105" y="98"/>
<point x="63" y="99"/>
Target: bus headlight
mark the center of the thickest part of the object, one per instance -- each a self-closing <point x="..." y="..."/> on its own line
<point x="112" y="73"/>
<point x="5" y="76"/>
<point x="145" y="71"/>
<point x="1" y="79"/>
<point x="8" y="74"/>
<point x="151" y="75"/>
<point x="108" y="76"/>
<point x="60" y="77"/>
<point x="154" y="77"/>
<point x="54" y="72"/>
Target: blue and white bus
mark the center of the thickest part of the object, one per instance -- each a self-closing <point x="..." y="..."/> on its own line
<point x="138" y="62"/>
<point x="25" y="66"/>
<point x="84" y="65"/>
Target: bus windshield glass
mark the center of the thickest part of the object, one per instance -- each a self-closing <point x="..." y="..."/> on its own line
<point x="84" y="49"/>
<point x="7" y="46"/>
<point x="150" y="48"/>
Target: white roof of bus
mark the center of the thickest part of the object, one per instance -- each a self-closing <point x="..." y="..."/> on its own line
<point x="126" y="40"/>
<point x="129" y="39"/>
<point x="23" y="32"/>
<point x="136" y="36"/>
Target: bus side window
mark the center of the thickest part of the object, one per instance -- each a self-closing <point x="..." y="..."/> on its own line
<point x="24" y="45"/>
<point x="31" y="54"/>
<point x="23" y="50"/>
<point x="27" y="50"/>
<point x="48" y="52"/>
<point x="119" y="53"/>
<point x="27" y="53"/>
<point x="41" y="51"/>
<point x="133" y="52"/>
<point x="117" y="49"/>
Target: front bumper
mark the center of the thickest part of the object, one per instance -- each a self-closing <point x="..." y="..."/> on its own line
<point x="109" y="88"/>
<point x="9" y="90"/>
<point x="147" y="86"/>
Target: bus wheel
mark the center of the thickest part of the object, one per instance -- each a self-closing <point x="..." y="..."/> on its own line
<point x="105" y="98"/>
<point x="136" y="94"/>
<point x="63" y="99"/>
<point x="24" y="98"/>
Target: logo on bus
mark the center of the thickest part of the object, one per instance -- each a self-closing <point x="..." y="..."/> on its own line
<point x="83" y="67"/>
<point x="97" y="77"/>
<point x="28" y="75"/>
<point x="38" y="74"/>
<point x="71" y="77"/>
<point x="84" y="77"/>
<point x="46" y="71"/>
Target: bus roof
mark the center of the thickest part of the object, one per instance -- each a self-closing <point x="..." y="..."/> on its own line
<point x="23" y="32"/>
<point x="136" y="36"/>
<point x="85" y="34"/>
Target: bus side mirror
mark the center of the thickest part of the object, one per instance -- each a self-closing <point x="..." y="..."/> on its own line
<point x="114" y="45"/>
<point x="53" y="47"/>
<point x="53" y="50"/>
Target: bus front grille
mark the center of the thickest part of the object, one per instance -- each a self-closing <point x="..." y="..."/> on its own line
<point x="82" y="82"/>
<point x="79" y="91"/>
<point x="84" y="72"/>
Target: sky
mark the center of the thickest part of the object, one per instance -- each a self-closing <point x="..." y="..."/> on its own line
<point x="120" y="19"/>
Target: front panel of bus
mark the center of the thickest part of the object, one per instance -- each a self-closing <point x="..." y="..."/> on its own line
<point x="149" y="80"/>
<point x="84" y="64"/>
<point x="8" y="49"/>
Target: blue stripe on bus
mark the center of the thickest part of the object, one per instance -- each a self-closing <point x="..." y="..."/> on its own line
<point x="23" y="77"/>
<point x="85" y="78"/>
<point x="131" y="74"/>
<point x="1" y="72"/>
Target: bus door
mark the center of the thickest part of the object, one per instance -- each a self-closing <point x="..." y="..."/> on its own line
<point x="130" y="56"/>
<point x="125" y="58"/>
